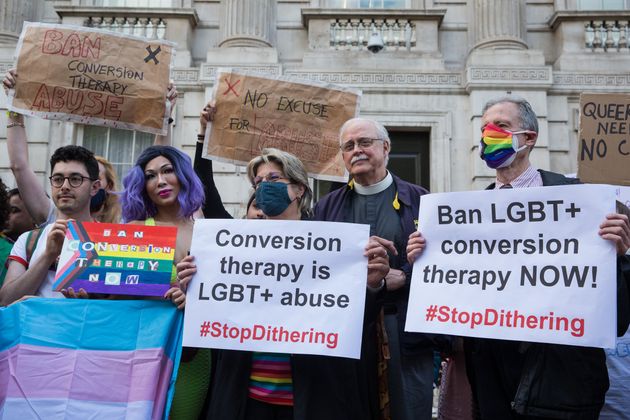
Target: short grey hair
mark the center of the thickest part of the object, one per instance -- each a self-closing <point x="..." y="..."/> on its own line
<point x="527" y="115"/>
<point x="291" y="167"/>
<point x="381" y="131"/>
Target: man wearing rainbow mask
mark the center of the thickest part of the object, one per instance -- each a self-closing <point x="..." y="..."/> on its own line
<point x="521" y="380"/>
<point x="509" y="133"/>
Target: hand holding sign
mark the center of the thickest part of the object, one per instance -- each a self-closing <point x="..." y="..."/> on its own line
<point x="9" y="80"/>
<point x="415" y="246"/>
<point x="378" y="261"/>
<point x="616" y="229"/>
<point x="207" y="115"/>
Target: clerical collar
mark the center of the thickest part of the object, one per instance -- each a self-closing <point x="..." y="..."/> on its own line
<point x="374" y="188"/>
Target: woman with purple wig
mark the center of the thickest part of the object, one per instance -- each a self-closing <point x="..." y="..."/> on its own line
<point x="163" y="190"/>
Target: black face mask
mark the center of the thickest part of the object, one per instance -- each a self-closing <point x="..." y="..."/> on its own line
<point x="97" y="201"/>
<point x="273" y="197"/>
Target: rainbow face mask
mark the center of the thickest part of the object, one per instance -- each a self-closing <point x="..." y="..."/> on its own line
<point x="499" y="146"/>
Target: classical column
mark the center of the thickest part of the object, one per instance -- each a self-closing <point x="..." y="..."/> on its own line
<point x="12" y="14"/>
<point x="248" y="23"/>
<point x="498" y="24"/>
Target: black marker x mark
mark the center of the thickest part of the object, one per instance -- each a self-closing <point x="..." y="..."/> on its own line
<point x="152" y="54"/>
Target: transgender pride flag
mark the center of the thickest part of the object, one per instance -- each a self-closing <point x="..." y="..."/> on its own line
<point x="88" y="359"/>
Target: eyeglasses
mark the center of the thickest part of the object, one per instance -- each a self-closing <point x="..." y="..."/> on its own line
<point x="270" y="177"/>
<point x="75" y="180"/>
<point x="363" y="143"/>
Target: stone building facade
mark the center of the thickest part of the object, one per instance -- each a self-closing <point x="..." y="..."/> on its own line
<point x="440" y="61"/>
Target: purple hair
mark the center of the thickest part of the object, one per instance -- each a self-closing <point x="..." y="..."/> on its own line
<point x="135" y="202"/>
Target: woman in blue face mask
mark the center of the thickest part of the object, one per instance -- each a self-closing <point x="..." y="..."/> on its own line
<point x="281" y="185"/>
<point x="259" y="385"/>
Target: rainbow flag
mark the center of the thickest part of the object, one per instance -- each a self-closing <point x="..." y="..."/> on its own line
<point x="119" y="259"/>
<point x="84" y="359"/>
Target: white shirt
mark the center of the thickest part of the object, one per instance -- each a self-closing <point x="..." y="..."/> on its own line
<point x="18" y="254"/>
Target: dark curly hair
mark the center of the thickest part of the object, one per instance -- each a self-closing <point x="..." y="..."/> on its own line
<point x="77" y="154"/>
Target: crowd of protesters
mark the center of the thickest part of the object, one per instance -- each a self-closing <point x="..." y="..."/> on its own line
<point x="395" y="375"/>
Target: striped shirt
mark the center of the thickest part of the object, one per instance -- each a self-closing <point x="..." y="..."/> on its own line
<point x="270" y="380"/>
<point x="529" y="178"/>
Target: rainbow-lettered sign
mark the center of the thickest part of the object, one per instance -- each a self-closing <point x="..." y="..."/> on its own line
<point x="117" y="259"/>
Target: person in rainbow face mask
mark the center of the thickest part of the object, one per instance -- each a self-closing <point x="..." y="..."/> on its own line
<point x="499" y="147"/>
<point x="509" y="130"/>
<point x="522" y="380"/>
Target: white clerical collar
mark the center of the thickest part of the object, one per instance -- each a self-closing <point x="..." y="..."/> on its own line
<point x="374" y="188"/>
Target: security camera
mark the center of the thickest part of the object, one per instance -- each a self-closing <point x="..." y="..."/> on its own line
<point x="375" y="44"/>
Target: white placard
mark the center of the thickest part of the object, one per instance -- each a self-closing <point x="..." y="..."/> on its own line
<point x="277" y="286"/>
<point x="517" y="264"/>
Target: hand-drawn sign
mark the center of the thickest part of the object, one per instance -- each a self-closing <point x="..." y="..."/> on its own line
<point x="303" y="118"/>
<point x="91" y="76"/>
<point x="604" y="143"/>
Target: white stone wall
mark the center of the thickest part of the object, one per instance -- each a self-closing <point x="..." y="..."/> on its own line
<point x="440" y="84"/>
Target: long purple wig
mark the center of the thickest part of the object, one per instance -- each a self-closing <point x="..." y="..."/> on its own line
<point x="135" y="201"/>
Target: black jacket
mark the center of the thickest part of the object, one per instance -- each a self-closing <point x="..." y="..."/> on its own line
<point x="332" y="208"/>
<point x="331" y="388"/>
<point x="545" y="380"/>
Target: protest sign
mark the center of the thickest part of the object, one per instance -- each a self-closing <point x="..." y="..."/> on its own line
<point x="72" y="358"/>
<point x="520" y="264"/>
<point x="255" y="112"/>
<point x="277" y="286"/>
<point x="604" y="153"/>
<point x="117" y="259"/>
<point x="91" y="76"/>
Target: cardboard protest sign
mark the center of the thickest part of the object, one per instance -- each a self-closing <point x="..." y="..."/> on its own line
<point x="255" y="112"/>
<point x="520" y="264"/>
<point x="277" y="286"/>
<point x="604" y="153"/>
<point x="117" y="259"/>
<point x="91" y="76"/>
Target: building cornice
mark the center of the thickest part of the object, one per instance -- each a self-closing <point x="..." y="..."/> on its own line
<point x="585" y="15"/>
<point x="309" y="14"/>
<point x="163" y="12"/>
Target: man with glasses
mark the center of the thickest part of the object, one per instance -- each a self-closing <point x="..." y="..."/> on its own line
<point x="512" y="379"/>
<point x="31" y="270"/>
<point x="525" y="380"/>
<point x="389" y="205"/>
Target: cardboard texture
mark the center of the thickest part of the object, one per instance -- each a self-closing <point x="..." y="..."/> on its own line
<point x="604" y="142"/>
<point x="255" y="112"/>
<point x="92" y="76"/>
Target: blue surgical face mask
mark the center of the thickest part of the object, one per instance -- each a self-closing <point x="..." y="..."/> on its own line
<point x="273" y="197"/>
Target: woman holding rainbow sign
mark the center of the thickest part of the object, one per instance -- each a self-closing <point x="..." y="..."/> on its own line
<point x="163" y="190"/>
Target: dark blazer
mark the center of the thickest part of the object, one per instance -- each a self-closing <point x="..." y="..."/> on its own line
<point x="546" y="380"/>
